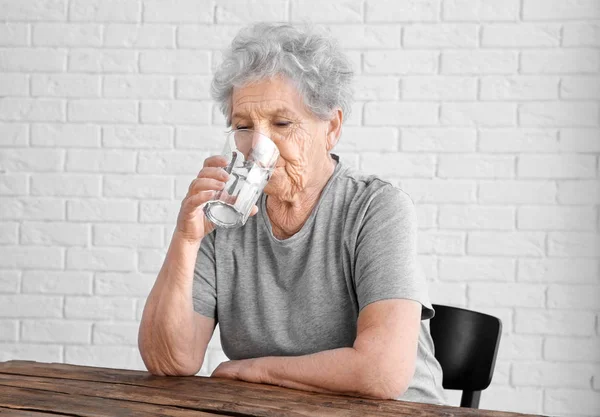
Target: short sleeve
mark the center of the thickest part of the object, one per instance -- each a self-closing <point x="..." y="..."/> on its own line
<point x="204" y="291"/>
<point x="386" y="264"/>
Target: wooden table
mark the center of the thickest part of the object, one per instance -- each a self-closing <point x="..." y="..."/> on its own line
<point x="40" y="389"/>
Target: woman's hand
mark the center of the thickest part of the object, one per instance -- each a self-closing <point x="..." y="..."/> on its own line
<point x="192" y="225"/>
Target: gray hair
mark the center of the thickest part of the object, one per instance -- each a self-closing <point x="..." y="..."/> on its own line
<point x="308" y="57"/>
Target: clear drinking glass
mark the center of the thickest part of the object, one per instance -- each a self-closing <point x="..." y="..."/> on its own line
<point x="251" y="157"/>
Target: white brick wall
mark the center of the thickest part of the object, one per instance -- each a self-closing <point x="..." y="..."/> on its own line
<point x="486" y="112"/>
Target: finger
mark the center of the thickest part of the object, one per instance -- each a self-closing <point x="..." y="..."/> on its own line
<point x="196" y="200"/>
<point x="205" y="184"/>
<point x="214" y="172"/>
<point x="216" y="161"/>
<point x="253" y="211"/>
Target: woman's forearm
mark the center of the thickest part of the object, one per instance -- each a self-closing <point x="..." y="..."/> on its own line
<point x="168" y="331"/>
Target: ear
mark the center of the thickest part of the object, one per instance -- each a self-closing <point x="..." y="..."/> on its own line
<point x="334" y="129"/>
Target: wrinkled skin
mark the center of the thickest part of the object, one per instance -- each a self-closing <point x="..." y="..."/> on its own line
<point x="275" y="108"/>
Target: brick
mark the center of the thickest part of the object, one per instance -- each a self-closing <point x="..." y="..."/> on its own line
<point x="30" y="352"/>
<point x="439" y="88"/>
<point x="102" y="111"/>
<point x="522" y="140"/>
<point x="129" y="86"/>
<point x="400" y="62"/>
<point x="9" y="331"/>
<point x="32" y="59"/>
<point x="23" y="306"/>
<point x="448" y="294"/>
<point x="218" y="118"/>
<point x="517" y="192"/>
<point x="14" y="84"/>
<point x="568" y="271"/>
<point x="438" y="140"/>
<point x="36" y="160"/>
<point x="14" y="34"/>
<point x="53" y="233"/>
<point x="184" y="112"/>
<point x="368" y="87"/>
<point x="120" y="160"/>
<point x="193" y="87"/>
<point x="480" y="166"/>
<point x="65" y="85"/>
<point x="178" y="11"/>
<point x="401" y="113"/>
<point x="137" y="137"/>
<point x="31" y="10"/>
<point x="56" y="331"/>
<point x="67" y="34"/>
<point x="30" y="109"/>
<point x="359" y="139"/>
<point x="159" y="211"/>
<point x="519" y="35"/>
<point x="99" y="308"/>
<point x="572" y="401"/>
<point x="122" y="35"/>
<point x="101" y="259"/>
<point x="580" y="87"/>
<point x="102" y="60"/>
<point x="555" y="322"/>
<point x="57" y="282"/>
<point x="440" y="191"/>
<point x="429" y="266"/>
<point x="206" y="138"/>
<point x="9" y="233"/>
<point x="120" y="334"/>
<point x="581" y="34"/>
<point x="518" y="399"/>
<point x="519" y="88"/>
<point x="206" y="36"/>
<point x="569" y="349"/>
<point x="102" y="210"/>
<point x="336" y="11"/>
<point x="13" y="184"/>
<point x="445" y="35"/>
<point x="9" y="281"/>
<point x="573" y="244"/>
<point x="506" y="295"/>
<point x="398" y="164"/>
<point x="127" y="284"/>
<point x="558" y="114"/>
<point x="476" y="217"/>
<point x="476" y="269"/>
<point x="562" y="61"/>
<point x="172" y="162"/>
<point x="232" y="11"/>
<point x="14" y="134"/>
<point x="381" y="36"/>
<point x="560" y="9"/>
<point x="137" y="186"/>
<point x="426" y="216"/>
<point x="477" y="10"/>
<point x="574" y="297"/>
<point x="506" y="243"/>
<point x="401" y="11"/>
<point x="518" y="347"/>
<point x="578" y="192"/>
<point x="150" y="260"/>
<point x="126" y="357"/>
<point x="478" y="114"/>
<point x="355" y="118"/>
<point x="479" y="62"/>
<point x="441" y="242"/>
<point x="31" y="208"/>
<point x="556" y="166"/>
<point x="105" y="10"/>
<point x="130" y="235"/>
<point x="555" y="218"/>
<point x="65" y="135"/>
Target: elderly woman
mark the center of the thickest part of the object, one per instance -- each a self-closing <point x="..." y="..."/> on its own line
<point x="320" y="290"/>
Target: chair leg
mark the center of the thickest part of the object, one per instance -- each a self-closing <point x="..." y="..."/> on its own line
<point x="470" y="399"/>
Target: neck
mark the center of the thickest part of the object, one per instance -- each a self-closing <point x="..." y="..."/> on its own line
<point x="288" y="216"/>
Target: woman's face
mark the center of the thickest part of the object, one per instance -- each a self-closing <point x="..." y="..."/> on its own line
<point x="274" y="108"/>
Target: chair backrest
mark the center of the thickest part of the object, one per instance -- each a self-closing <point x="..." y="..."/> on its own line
<point x="466" y="344"/>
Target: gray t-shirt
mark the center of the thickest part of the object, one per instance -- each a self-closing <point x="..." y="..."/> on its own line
<point x="303" y="294"/>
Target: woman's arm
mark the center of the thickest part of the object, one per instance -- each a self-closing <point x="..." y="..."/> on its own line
<point x="380" y="364"/>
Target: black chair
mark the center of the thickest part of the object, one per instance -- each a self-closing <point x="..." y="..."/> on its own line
<point x="466" y="344"/>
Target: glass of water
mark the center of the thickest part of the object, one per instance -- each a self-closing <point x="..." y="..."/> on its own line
<point x="251" y="157"/>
